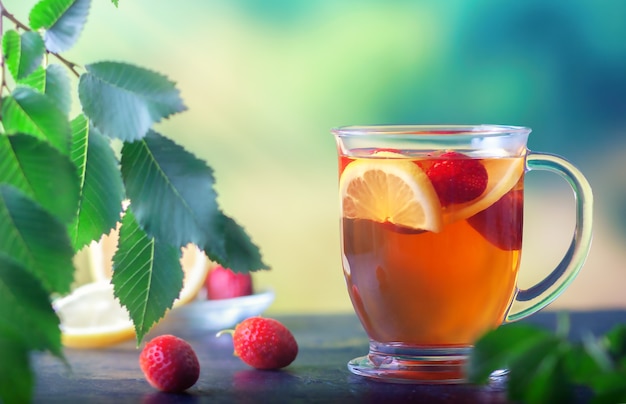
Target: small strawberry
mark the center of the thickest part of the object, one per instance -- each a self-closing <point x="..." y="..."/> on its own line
<point x="457" y="178"/>
<point x="264" y="343"/>
<point x="502" y="223"/>
<point x="169" y="364"/>
<point x="223" y="283"/>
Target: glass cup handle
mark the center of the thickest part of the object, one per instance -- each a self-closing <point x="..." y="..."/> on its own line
<point x="535" y="298"/>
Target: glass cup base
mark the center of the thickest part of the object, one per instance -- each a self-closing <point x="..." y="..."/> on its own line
<point x="400" y="364"/>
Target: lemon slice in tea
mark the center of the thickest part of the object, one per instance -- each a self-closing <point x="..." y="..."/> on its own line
<point x="390" y="190"/>
<point x="502" y="175"/>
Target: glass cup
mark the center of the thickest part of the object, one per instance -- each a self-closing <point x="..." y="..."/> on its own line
<point x="431" y="240"/>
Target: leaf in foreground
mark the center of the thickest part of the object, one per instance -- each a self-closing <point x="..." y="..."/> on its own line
<point x="102" y="190"/>
<point x="499" y="348"/>
<point x="123" y="101"/>
<point x="40" y="171"/>
<point x="26" y="314"/>
<point x="147" y="275"/>
<point x="16" y="375"/>
<point x="35" y="239"/>
<point x="539" y="375"/>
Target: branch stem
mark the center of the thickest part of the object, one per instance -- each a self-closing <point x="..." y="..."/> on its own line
<point x="5" y="14"/>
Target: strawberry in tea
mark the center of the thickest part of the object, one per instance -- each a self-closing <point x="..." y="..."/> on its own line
<point x="431" y="237"/>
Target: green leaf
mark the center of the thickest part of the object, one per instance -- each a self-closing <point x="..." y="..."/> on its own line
<point x="171" y="192"/>
<point x="174" y="201"/>
<point x="35" y="239"/>
<point x="115" y="2"/>
<point x="102" y="190"/>
<point x="16" y="375"/>
<point x="147" y="275"/>
<point x="63" y="21"/>
<point x="36" y="80"/>
<point x="41" y="172"/>
<point x="123" y="101"/>
<point x="28" y="111"/>
<point x="242" y="255"/>
<point x="499" y="348"/>
<point x="538" y="375"/>
<point x="23" y="53"/>
<point x="616" y="341"/>
<point x="610" y="388"/>
<point x="26" y="314"/>
<point x="54" y="82"/>
<point x="58" y="87"/>
<point x="581" y="366"/>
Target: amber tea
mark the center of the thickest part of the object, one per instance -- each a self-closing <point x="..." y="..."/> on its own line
<point x="431" y="237"/>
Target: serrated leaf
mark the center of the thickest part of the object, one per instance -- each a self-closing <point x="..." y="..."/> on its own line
<point x="171" y="192"/>
<point x="26" y="313"/>
<point x="123" y="101"/>
<point x="35" y="239"/>
<point x="242" y="255"/>
<point x="147" y="275"/>
<point x="174" y="201"/>
<point x="63" y="21"/>
<point x="54" y="82"/>
<point x="30" y="112"/>
<point x="47" y="12"/>
<point x="41" y="172"/>
<point x="36" y="80"/>
<point x="23" y="53"/>
<point x="58" y="87"/>
<point x="16" y="375"/>
<point x="102" y="190"/>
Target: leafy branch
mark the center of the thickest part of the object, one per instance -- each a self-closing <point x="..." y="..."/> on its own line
<point x="62" y="184"/>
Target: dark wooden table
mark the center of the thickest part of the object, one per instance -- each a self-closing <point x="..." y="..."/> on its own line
<point x="319" y="374"/>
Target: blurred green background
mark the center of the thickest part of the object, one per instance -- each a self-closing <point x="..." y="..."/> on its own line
<point x="265" y="82"/>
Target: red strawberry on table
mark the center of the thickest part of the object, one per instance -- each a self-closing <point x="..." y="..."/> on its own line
<point x="223" y="283"/>
<point x="457" y="178"/>
<point x="502" y="223"/>
<point x="264" y="343"/>
<point x="169" y="364"/>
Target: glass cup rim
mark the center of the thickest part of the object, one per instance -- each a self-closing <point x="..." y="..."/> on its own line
<point x="436" y="130"/>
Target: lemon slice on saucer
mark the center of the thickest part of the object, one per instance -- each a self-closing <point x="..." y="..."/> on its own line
<point x="390" y="190"/>
<point x="91" y="317"/>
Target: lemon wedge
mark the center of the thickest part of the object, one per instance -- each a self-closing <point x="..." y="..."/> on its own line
<point x="91" y="317"/>
<point x="503" y="174"/>
<point x="390" y="190"/>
